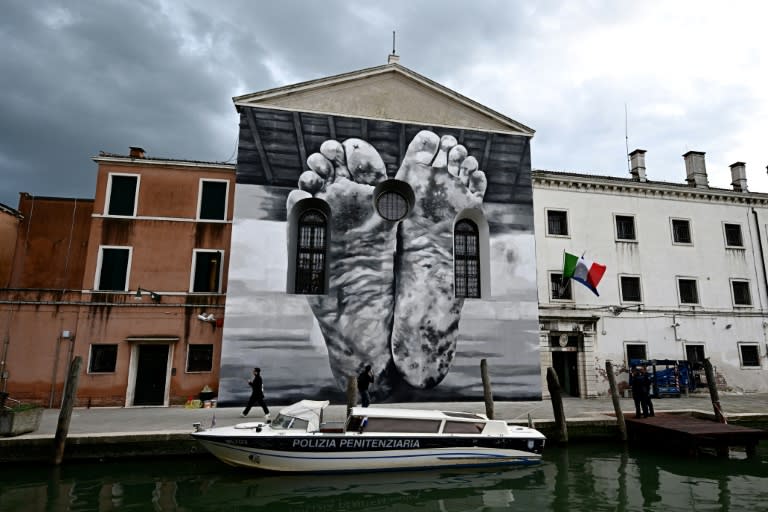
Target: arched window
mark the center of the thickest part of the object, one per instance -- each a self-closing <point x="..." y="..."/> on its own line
<point x="466" y="259"/>
<point x="310" y="253"/>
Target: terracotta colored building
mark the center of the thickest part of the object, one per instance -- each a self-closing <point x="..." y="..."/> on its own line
<point x="9" y="225"/>
<point x="133" y="281"/>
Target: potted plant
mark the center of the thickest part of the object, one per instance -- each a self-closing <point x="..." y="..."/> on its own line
<point x="17" y="418"/>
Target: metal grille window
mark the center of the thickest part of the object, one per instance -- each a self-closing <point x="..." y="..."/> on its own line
<point x="681" y="231"/>
<point x="688" y="291"/>
<point x="741" y="296"/>
<point x="625" y="227"/>
<point x="733" y="235"/>
<point x="630" y="289"/>
<point x="200" y="358"/>
<point x="466" y="244"/>
<point x="103" y="358"/>
<point x="310" y="254"/>
<point x="557" y="289"/>
<point x="391" y="205"/>
<point x="557" y="222"/>
<point x="750" y="354"/>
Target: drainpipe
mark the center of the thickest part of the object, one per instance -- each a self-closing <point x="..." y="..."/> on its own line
<point x="760" y="246"/>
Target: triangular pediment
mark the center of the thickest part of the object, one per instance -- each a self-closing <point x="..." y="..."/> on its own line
<point x="390" y="92"/>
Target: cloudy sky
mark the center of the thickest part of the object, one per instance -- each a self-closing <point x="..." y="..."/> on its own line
<point x="79" y="77"/>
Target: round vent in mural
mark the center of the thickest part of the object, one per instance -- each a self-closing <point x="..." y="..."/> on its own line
<point x="393" y="199"/>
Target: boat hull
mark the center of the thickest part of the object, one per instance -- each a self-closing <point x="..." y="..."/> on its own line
<point x="364" y="453"/>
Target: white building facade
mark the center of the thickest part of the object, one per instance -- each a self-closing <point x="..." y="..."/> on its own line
<point x="685" y="280"/>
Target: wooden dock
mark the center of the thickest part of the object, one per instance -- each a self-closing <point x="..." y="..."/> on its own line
<point x="692" y="434"/>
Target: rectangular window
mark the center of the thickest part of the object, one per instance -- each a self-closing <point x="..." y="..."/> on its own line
<point x="750" y="354"/>
<point x="630" y="289"/>
<point x="103" y="358"/>
<point x="200" y="358"/>
<point x="636" y="352"/>
<point x="557" y="223"/>
<point x="557" y="289"/>
<point x="681" y="231"/>
<point x="688" y="291"/>
<point x="121" y="194"/>
<point x="213" y="200"/>
<point x="113" y="266"/>
<point x="733" y="235"/>
<point x="625" y="228"/>
<point x="206" y="271"/>
<point x="741" y="295"/>
<point x="694" y="354"/>
<point x="463" y="427"/>
<point x="412" y="426"/>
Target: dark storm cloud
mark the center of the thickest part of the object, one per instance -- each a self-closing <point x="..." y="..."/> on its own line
<point x="82" y="76"/>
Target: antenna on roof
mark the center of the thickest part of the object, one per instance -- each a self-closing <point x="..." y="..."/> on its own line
<point x="626" y="137"/>
<point x="393" y="58"/>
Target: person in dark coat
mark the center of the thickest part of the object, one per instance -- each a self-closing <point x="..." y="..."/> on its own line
<point x="364" y="380"/>
<point x="257" y="394"/>
<point x="639" y="384"/>
<point x="647" y="405"/>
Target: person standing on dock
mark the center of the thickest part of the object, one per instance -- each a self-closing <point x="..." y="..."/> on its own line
<point x="647" y="405"/>
<point x="638" y="382"/>
<point x="257" y="395"/>
<point x="364" y="380"/>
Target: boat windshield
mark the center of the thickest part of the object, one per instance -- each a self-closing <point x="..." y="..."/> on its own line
<point x="283" y="422"/>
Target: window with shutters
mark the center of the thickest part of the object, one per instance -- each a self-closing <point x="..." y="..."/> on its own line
<point x="206" y="271"/>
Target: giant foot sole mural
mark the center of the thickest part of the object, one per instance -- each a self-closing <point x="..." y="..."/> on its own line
<point x="390" y="300"/>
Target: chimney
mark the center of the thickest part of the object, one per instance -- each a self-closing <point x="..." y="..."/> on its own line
<point x="739" y="177"/>
<point x="393" y="59"/>
<point x="137" y="152"/>
<point x="637" y="165"/>
<point x="695" y="169"/>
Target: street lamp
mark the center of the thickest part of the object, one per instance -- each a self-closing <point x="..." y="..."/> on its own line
<point x="152" y="295"/>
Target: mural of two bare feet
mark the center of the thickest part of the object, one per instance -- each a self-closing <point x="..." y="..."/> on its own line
<point x="390" y="300"/>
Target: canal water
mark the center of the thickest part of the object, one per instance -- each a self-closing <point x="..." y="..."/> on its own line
<point x="581" y="477"/>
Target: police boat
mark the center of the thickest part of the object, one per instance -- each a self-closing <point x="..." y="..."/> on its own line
<point x="372" y="439"/>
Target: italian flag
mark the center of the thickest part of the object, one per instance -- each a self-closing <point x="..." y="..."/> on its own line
<point x="584" y="271"/>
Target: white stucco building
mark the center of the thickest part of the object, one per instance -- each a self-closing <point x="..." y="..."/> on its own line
<point x="685" y="280"/>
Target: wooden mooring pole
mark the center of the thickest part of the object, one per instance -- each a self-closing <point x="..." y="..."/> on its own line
<point x="65" y="415"/>
<point x="713" y="393"/>
<point x="553" y="384"/>
<point x="487" y="393"/>
<point x="616" y="403"/>
<point x="351" y="393"/>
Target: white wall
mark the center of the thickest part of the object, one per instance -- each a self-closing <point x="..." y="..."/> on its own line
<point x="591" y="203"/>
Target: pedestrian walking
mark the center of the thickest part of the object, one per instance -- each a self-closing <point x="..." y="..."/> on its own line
<point x="257" y="395"/>
<point x="364" y="380"/>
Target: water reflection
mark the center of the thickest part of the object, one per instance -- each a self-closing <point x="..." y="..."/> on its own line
<point x="591" y="477"/>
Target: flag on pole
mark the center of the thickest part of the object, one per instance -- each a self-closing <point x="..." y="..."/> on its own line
<point x="584" y="271"/>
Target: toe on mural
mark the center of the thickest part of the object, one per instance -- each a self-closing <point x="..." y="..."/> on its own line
<point x="446" y="183"/>
<point x="355" y="313"/>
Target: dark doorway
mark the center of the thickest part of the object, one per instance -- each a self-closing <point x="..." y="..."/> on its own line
<point x="565" y="365"/>
<point x="150" y="375"/>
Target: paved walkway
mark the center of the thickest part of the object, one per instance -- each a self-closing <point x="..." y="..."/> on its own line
<point x="178" y="419"/>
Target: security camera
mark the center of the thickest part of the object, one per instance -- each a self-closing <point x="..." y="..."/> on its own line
<point x="203" y="317"/>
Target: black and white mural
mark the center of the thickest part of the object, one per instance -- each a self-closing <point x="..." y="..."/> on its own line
<point x="406" y="247"/>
